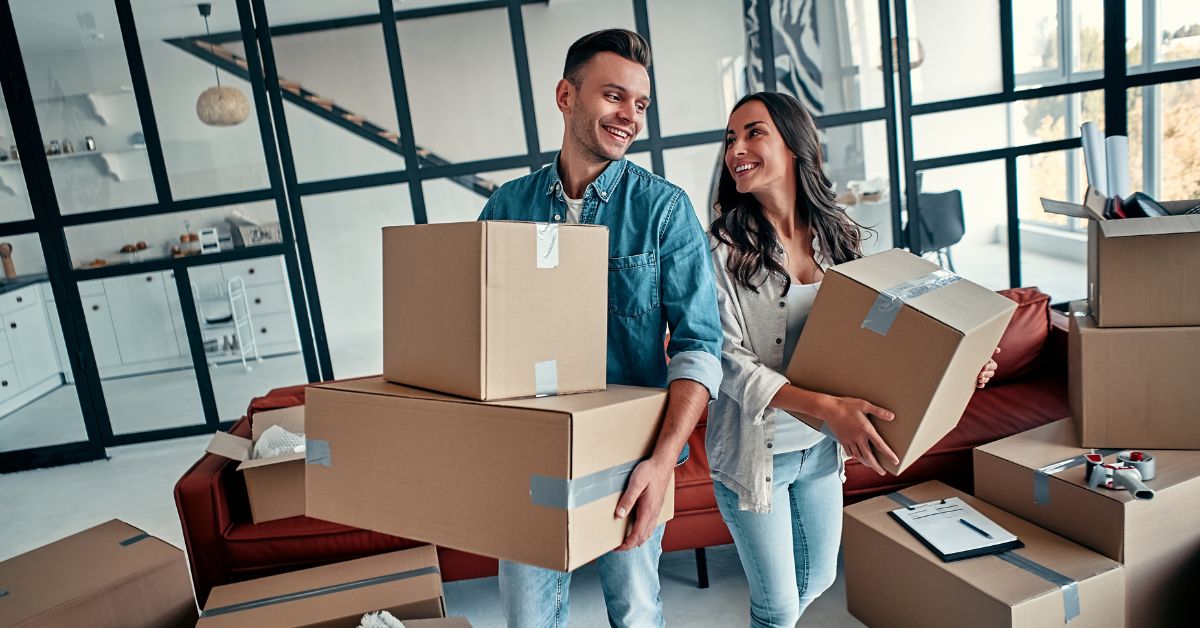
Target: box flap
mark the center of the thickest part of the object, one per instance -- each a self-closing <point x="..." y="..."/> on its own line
<point x="1159" y="225"/>
<point x="229" y="446"/>
<point x="1063" y="208"/>
<point x="254" y="463"/>
<point x="564" y="404"/>
<point x="290" y="419"/>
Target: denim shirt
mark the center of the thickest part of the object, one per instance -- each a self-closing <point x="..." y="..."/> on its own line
<point x="659" y="270"/>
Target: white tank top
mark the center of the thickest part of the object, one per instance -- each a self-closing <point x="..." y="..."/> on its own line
<point x="791" y="434"/>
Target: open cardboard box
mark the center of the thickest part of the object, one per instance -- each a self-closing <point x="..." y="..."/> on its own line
<point x="274" y="485"/>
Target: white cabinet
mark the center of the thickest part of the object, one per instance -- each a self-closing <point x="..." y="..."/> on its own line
<point x="9" y="387"/>
<point x="100" y="328"/>
<point x="5" y="351"/>
<point x="141" y="317"/>
<point x="33" y="351"/>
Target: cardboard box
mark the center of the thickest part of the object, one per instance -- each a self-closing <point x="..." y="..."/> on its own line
<point x="922" y="365"/>
<point x="533" y="480"/>
<point x="1142" y="272"/>
<point x="1158" y="540"/>
<point x="407" y="584"/>
<point x="1133" y="387"/>
<point x="894" y="580"/>
<point x="113" y="575"/>
<point x="274" y="485"/>
<point x="497" y="310"/>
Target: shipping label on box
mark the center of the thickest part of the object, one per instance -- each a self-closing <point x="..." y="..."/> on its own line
<point x="274" y="485"/>
<point x="110" y="576"/>
<point x="903" y="334"/>
<point x="531" y="480"/>
<point x="1133" y="387"/>
<point x="892" y="579"/>
<point x="496" y="310"/>
<point x="1039" y="475"/>
<point x="407" y="584"/>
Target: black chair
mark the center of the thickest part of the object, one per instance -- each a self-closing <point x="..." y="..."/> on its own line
<point x="942" y="224"/>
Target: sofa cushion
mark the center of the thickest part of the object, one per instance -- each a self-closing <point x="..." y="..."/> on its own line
<point x="1021" y="345"/>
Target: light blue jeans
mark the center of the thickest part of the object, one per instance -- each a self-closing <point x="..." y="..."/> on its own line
<point x="534" y="597"/>
<point x="790" y="553"/>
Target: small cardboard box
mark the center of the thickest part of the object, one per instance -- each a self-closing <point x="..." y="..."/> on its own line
<point x="1142" y="272"/>
<point x="497" y="310"/>
<point x="113" y="575"/>
<point x="407" y="584"/>
<point x="1158" y="540"/>
<point x="892" y="579"/>
<point x="532" y="480"/>
<point x="905" y="335"/>
<point x="274" y="485"/>
<point x="1133" y="387"/>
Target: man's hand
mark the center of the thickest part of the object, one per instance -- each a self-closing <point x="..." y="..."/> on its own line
<point x="644" y="498"/>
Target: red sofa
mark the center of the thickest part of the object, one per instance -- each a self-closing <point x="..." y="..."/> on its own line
<point x="224" y="546"/>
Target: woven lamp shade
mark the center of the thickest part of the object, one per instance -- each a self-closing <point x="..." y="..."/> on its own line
<point x="222" y="106"/>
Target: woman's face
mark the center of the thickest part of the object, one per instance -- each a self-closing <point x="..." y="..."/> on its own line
<point x="755" y="154"/>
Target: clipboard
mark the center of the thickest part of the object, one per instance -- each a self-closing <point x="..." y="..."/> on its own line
<point x="953" y="530"/>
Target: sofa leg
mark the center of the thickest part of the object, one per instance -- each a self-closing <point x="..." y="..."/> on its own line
<point x="701" y="568"/>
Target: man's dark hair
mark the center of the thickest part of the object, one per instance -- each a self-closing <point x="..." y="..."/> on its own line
<point x="625" y="43"/>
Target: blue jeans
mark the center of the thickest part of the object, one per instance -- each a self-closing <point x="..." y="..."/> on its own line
<point x="790" y="553"/>
<point x="534" y="597"/>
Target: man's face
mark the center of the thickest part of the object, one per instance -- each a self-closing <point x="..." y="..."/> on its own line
<point x="607" y="110"/>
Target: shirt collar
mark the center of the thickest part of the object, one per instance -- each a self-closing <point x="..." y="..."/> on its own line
<point x="604" y="185"/>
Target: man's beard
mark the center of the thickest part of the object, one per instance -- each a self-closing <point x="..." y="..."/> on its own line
<point x="584" y="133"/>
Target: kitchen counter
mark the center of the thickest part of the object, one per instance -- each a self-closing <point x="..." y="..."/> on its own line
<point x="9" y="285"/>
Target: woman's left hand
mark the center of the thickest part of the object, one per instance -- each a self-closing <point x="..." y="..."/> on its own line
<point x="987" y="372"/>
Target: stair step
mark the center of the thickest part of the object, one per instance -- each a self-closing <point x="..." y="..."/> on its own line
<point x="390" y="136"/>
<point x="320" y="101"/>
<point x="291" y="86"/>
<point x="355" y="118"/>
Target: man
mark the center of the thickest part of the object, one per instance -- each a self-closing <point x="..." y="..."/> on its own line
<point x="660" y="276"/>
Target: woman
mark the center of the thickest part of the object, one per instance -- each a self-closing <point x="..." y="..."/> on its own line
<point x="777" y="480"/>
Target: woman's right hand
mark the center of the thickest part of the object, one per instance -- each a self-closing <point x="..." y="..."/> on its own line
<point x="847" y="417"/>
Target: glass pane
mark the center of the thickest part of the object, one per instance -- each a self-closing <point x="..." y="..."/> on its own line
<point x="996" y="126"/>
<point x="248" y="325"/>
<point x="14" y="197"/>
<point x="453" y="200"/>
<point x="550" y="29"/>
<point x="1035" y="36"/>
<point x="484" y="120"/>
<point x="642" y="159"/>
<point x="961" y="46"/>
<point x="697" y="70"/>
<point x="347" y="253"/>
<point x="856" y="161"/>
<point x="694" y="169"/>
<point x="1180" y="150"/>
<point x="1053" y="247"/>
<point x="1087" y="37"/>
<point x="500" y="177"/>
<point x="1138" y="102"/>
<point x="141" y="347"/>
<point x="79" y="79"/>
<point x="981" y="254"/>
<point x="38" y="402"/>
<point x="172" y="235"/>
<point x="1179" y="28"/>
<point x="1134" y="46"/>
<point x="201" y="159"/>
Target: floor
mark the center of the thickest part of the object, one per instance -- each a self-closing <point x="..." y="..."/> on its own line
<point x="135" y="485"/>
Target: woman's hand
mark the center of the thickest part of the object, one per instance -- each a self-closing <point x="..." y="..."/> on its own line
<point x="848" y="419"/>
<point x="987" y="372"/>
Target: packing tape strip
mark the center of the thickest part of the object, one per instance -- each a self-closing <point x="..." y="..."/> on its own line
<point x="319" y="591"/>
<point x="1069" y="587"/>
<point x="545" y="378"/>
<point x="547" y="245"/>
<point x="887" y="305"/>
<point x="134" y="539"/>
<point x="1041" y="476"/>
<point x="569" y="494"/>
<point x="3" y="592"/>
<point x="316" y="451"/>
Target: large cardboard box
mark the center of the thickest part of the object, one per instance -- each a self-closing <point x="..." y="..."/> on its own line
<point x="533" y="480"/>
<point x="1133" y="387"/>
<point x="275" y="485"/>
<point x="113" y="575"/>
<point x="1142" y="272"/>
<point x="903" y="334"/>
<point x="407" y="584"/>
<point x="892" y="579"/>
<point x="1158" y="540"/>
<point x="497" y="310"/>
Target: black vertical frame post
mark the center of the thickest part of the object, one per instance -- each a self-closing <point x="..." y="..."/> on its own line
<point x="1008" y="75"/>
<point x="1116" y="118"/>
<point x="191" y="323"/>
<point x="141" y="93"/>
<point x="1014" y="221"/>
<point x="913" y="243"/>
<point x="766" y="44"/>
<point x="308" y="319"/>
<point x="516" y="29"/>
<point x="408" y="144"/>
<point x="641" y="17"/>
<point x="889" y="99"/>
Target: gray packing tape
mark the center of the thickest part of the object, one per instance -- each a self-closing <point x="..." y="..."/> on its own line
<point x="317" y="452"/>
<point x="568" y="494"/>
<point x="134" y="539"/>
<point x="889" y="302"/>
<point x="1069" y="587"/>
<point x="319" y="591"/>
<point x="903" y="500"/>
<point x="1041" y="477"/>
<point x="545" y="378"/>
<point x="547" y="245"/>
<point x="3" y="592"/>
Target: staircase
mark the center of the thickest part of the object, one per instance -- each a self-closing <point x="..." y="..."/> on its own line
<point x="327" y="109"/>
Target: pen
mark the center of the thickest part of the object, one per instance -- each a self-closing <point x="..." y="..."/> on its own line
<point x="974" y="527"/>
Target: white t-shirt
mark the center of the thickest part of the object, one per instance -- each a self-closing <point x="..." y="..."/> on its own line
<point x="792" y="434"/>
<point x="574" y="209"/>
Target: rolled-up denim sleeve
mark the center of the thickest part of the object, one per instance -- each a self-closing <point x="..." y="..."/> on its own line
<point x="689" y="298"/>
<point x="489" y="208"/>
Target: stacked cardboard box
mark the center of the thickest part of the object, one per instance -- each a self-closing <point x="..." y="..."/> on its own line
<point x="274" y="485"/>
<point x="470" y="439"/>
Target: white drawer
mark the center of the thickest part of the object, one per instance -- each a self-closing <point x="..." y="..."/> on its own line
<point x="12" y="301"/>
<point x="268" y="299"/>
<point x="255" y="272"/>
<point x="274" y="329"/>
<point x="91" y="288"/>
<point x="9" y="386"/>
